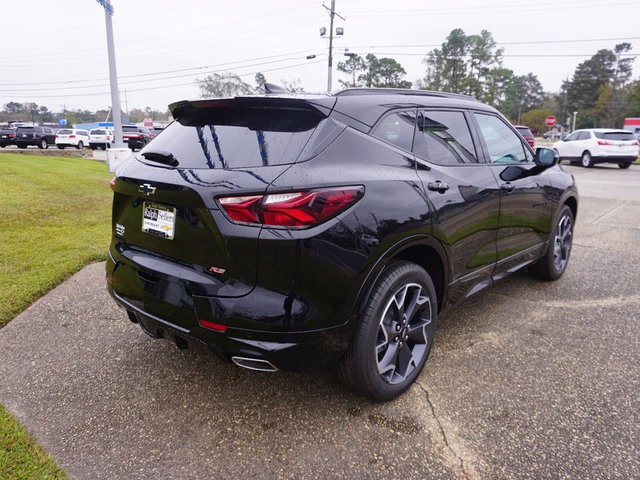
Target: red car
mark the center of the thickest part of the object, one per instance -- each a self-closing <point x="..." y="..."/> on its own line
<point x="526" y="133"/>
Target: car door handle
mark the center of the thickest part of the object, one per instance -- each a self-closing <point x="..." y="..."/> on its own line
<point x="438" y="186"/>
<point x="507" y="187"/>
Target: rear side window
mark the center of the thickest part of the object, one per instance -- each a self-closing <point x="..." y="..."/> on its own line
<point x="397" y="129"/>
<point x="238" y="138"/>
<point x="503" y="144"/>
<point x="614" y="135"/>
<point x="444" y="138"/>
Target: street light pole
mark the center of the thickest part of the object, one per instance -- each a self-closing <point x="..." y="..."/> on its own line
<point x="113" y="79"/>
<point x="332" y="13"/>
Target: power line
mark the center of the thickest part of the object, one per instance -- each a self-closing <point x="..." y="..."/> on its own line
<point x="163" y="86"/>
<point x="149" y="74"/>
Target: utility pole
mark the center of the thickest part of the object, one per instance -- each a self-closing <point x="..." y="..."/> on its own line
<point x="332" y="14"/>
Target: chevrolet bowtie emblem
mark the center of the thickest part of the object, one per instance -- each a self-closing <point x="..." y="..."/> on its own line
<point x="147" y="189"/>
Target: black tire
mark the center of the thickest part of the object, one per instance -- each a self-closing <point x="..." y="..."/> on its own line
<point x="21" y="145"/>
<point x="388" y="350"/>
<point x="43" y="145"/>
<point x="61" y="147"/>
<point x="555" y="261"/>
<point x="80" y="145"/>
<point x="586" y="161"/>
<point x="624" y="165"/>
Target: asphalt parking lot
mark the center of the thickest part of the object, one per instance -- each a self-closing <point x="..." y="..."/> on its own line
<point x="525" y="380"/>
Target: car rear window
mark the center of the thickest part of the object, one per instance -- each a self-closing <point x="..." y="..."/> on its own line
<point x="24" y="130"/>
<point x="129" y="128"/>
<point x="614" y="135"/>
<point x="65" y="132"/>
<point x="97" y="132"/>
<point x="242" y="138"/>
<point x="525" y="132"/>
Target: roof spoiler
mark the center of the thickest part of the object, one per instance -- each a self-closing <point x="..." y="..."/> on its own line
<point x="323" y="104"/>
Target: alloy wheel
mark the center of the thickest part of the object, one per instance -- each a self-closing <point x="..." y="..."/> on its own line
<point x="402" y="333"/>
<point x="562" y="243"/>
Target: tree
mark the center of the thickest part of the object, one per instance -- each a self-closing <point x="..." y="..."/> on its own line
<point x="468" y="64"/>
<point x="352" y="67"/>
<point x="260" y="81"/>
<point x="535" y="120"/>
<point x="523" y="93"/>
<point x="295" y="86"/>
<point x="390" y="74"/>
<point x="13" y="108"/>
<point x="225" y="84"/>
<point x="446" y="68"/>
<point x="582" y="91"/>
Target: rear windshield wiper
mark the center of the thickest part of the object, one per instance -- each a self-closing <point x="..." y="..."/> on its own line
<point x="161" y="157"/>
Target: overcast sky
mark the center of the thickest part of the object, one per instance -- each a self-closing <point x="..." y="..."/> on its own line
<point x="54" y="52"/>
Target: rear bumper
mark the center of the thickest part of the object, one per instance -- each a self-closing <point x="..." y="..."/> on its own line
<point x="606" y="158"/>
<point x="263" y="324"/>
<point x="289" y="351"/>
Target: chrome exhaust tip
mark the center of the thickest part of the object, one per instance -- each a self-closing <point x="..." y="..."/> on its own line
<point x="254" y="364"/>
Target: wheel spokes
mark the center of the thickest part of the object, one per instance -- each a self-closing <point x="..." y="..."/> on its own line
<point x="402" y="333"/>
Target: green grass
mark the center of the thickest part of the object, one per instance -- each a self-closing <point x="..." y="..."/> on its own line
<point x="55" y="216"/>
<point x="20" y="456"/>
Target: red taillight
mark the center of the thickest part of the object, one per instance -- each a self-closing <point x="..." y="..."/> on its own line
<point x="34" y="135"/>
<point x="113" y="184"/>
<point x="297" y="209"/>
<point x="12" y="135"/>
<point x="57" y="136"/>
<point x="602" y="142"/>
<point x="212" y="326"/>
<point x="72" y="136"/>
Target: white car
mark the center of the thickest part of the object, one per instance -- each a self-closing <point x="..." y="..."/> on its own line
<point x="69" y="137"/>
<point x="598" y="145"/>
<point x="101" y="138"/>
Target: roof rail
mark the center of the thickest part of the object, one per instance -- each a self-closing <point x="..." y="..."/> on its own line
<point x="348" y="92"/>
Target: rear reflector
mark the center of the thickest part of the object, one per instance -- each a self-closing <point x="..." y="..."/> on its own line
<point x="296" y="209"/>
<point x="212" y="326"/>
<point x="113" y="184"/>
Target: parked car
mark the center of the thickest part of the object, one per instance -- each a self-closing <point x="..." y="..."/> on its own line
<point x="40" y="136"/>
<point x="7" y="136"/>
<point x="598" y="145"/>
<point x="554" y="135"/>
<point x="526" y="134"/>
<point x="70" y="137"/>
<point x="293" y="232"/>
<point x="135" y="137"/>
<point x="155" y="131"/>
<point x="101" y="138"/>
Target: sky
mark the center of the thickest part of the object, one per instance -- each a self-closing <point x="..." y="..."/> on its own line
<point x="54" y="52"/>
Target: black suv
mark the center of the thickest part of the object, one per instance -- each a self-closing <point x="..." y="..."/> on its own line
<point x="293" y="232"/>
<point x="40" y="136"/>
<point x="135" y="137"/>
<point x="7" y="136"/>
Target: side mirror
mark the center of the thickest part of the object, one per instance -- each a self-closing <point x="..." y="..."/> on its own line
<point x="545" y="157"/>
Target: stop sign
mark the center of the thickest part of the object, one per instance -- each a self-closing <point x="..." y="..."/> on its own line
<point x="550" y="121"/>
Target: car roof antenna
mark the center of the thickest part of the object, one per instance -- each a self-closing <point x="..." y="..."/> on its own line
<point x="271" y="88"/>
